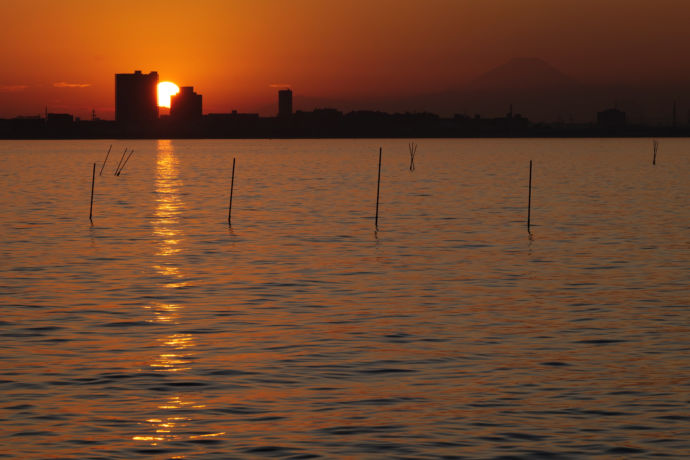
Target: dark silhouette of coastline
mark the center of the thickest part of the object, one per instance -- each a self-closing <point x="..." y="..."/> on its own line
<point x="322" y="123"/>
<point x="137" y="116"/>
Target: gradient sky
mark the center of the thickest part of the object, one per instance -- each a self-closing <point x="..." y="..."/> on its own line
<point x="64" y="54"/>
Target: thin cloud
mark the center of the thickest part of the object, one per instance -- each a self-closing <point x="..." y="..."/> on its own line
<point x="64" y="84"/>
<point x="279" y="85"/>
<point x="12" y="88"/>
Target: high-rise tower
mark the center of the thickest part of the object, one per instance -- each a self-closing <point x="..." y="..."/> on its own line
<point x="185" y="105"/>
<point x="285" y="103"/>
<point x="136" y="97"/>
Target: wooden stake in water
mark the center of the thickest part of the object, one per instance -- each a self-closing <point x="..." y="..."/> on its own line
<point x="93" y="180"/>
<point x="655" y="143"/>
<point x="123" y="164"/>
<point x="232" y="185"/>
<point x="378" y="187"/>
<point x="413" y="150"/>
<point x="106" y="160"/>
<point x="117" y="168"/>
<point x="529" y="196"/>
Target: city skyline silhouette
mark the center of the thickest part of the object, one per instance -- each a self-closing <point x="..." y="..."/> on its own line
<point x="403" y="56"/>
<point x="138" y="115"/>
<point x="542" y="92"/>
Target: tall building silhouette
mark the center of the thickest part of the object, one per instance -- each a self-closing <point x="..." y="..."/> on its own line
<point x="611" y="119"/>
<point x="285" y="103"/>
<point x="136" y="97"/>
<point x="185" y="105"/>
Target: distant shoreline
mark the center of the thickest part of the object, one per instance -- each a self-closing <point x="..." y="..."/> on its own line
<point x="660" y="135"/>
<point x="329" y="124"/>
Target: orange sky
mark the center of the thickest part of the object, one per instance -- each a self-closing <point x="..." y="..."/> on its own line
<point x="64" y="54"/>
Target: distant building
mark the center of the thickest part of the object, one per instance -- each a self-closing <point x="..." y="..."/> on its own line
<point x="186" y="105"/>
<point x="231" y="117"/>
<point x="234" y="125"/>
<point x="59" y="124"/>
<point x="611" y="119"/>
<point x="31" y="126"/>
<point x="512" y="123"/>
<point x="324" y="122"/>
<point x="136" y="97"/>
<point x="285" y="103"/>
<point x="59" y="120"/>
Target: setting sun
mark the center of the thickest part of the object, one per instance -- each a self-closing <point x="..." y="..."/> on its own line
<point x="165" y="90"/>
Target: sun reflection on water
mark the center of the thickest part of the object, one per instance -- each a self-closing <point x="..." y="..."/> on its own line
<point x="168" y="200"/>
<point x="176" y="348"/>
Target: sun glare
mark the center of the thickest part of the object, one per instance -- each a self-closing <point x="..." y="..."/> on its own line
<point x="165" y="90"/>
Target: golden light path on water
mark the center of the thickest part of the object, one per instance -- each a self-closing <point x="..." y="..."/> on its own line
<point x="177" y="348"/>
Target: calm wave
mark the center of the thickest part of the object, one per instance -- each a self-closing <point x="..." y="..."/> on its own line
<point x="301" y="332"/>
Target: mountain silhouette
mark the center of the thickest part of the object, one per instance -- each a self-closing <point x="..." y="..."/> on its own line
<point x="532" y="86"/>
<point x="523" y="73"/>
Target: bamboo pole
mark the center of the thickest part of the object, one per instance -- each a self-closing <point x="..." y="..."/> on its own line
<point x="106" y="160"/>
<point x="93" y="180"/>
<point x="378" y="188"/>
<point x="123" y="164"/>
<point x="413" y="150"/>
<point x="232" y="186"/>
<point x="117" y="168"/>
<point x="529" y="196"/>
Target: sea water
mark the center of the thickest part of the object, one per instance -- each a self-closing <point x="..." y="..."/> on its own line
<point x="303" y="331"/>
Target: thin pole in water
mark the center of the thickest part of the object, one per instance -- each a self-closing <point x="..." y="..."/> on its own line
<point x="117" y="168"/>
<point x="123" y="164"/>
<point x="529" y="196"/>
<point x="378" y="188"/>
<point x="413" y="150"/>
<point x="93" y="180"/>
<point x="655" y="143"/>
<point x="106" y="160"/>
<point x="232" y="185"/>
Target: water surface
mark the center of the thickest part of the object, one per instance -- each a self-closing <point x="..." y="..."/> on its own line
<point x="302" y="332"/>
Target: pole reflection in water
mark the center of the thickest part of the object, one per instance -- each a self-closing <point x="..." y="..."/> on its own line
<point x="177" y="347"/>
